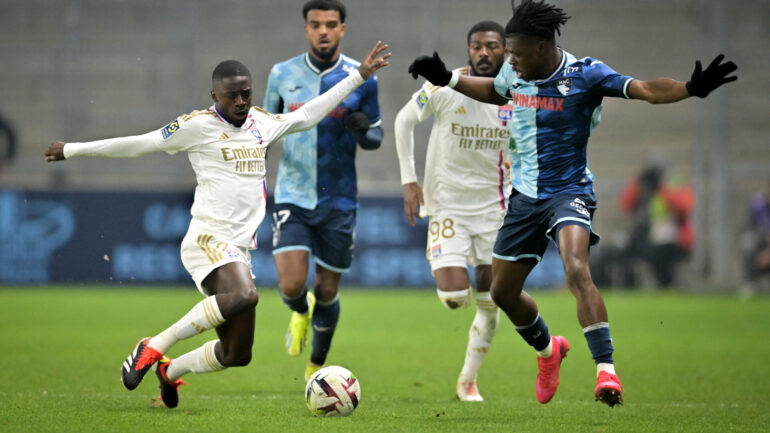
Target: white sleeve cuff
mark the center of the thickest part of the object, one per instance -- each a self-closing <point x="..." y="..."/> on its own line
<point x="453" y="81"/>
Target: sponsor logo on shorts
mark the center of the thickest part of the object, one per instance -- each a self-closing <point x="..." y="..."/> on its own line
<point x="170" y="129"/>
<point x="580" y="207"/>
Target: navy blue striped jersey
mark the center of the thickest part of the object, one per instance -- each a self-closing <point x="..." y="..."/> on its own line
<point x="317" y="166"/>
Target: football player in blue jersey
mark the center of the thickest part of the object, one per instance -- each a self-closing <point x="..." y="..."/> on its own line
<point x="557" y="100"/>
<point x="316" y="191"/>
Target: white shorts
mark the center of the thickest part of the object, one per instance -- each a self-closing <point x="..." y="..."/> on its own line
<point x="203" y="252"/>
<point x="458" y="241"/>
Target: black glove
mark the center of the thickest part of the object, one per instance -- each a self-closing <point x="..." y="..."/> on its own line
<point x="432" y="68"/>
<point x="356" y="122"/>
<point x="704" y="82"/>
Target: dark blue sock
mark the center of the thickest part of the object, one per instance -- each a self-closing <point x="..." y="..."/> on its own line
<point x="600" y="343"/>
<point x="324" y="322"/>
<point x="536" y="335"/>
<point x="299" y="303"/>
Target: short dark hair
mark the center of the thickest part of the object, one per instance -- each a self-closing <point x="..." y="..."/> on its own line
<point x="538" y="19"/>
<point x="486" y="26"/>
<point x="230" y="68"/>
<point x="324" y="5"/>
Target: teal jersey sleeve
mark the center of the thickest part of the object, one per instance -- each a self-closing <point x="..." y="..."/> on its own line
<point x="503" y="80"/>
<point x="273" y="102"/>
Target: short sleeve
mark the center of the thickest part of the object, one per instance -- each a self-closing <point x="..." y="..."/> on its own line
<point x="503" y="80"/>
<point x="603" y="80"/>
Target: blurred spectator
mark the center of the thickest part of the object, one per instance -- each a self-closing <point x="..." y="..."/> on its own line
<point x="660" y="231"/>
<point x="756" y="241"/>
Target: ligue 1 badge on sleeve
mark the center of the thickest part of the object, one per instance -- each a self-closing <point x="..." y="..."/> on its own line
<point x="564" y="85"/>
<point x="170" y="129"/>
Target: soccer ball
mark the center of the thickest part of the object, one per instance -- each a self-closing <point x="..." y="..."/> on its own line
<point x="332" y="391"/>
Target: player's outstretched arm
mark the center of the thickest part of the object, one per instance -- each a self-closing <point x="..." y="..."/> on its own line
<point x="120" y="147"/>
<point x="702" y="82"/>
<point x="433" y="69"/>
<point x="374" y="61"/>
<point x="55" y="152"/>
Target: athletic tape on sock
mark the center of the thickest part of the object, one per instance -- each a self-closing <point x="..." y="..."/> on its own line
<point x="455" y="299"/>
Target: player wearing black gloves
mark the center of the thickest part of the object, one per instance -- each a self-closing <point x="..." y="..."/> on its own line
<point x="556" y="98"/>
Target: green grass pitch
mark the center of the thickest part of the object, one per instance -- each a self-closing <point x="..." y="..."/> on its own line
<point x="688" y="363"/>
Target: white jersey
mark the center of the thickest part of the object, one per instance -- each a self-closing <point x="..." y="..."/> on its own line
<point x="229" y="161"/>
<point x="464" y="172"/>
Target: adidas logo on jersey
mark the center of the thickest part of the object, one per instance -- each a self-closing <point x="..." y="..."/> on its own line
<point x="461" y="110"/>
<point x="224" y="136"/>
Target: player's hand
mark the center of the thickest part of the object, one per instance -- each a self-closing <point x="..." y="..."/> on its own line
<point x="55" y="152"/>
<point x="705" y="81"/>
<point x="374" y="60"/>
<point x="356" y="122"/>
<point x="507" y="165"/>
<point x="412" y="201"/>
<point x="432" y="68"/>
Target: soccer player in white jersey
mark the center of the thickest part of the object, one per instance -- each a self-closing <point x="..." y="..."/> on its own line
<point x="226" y="145"/>
<point x="557" y="100"/>
<point x="464" y="190"/>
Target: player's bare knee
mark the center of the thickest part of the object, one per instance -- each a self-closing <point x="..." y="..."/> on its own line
<point x="576" y="273"/>
<point x="248" y="298"/>
<point x="455" y="299"/>
<point x="498" y="295"/>
<point x="292" y="287"/>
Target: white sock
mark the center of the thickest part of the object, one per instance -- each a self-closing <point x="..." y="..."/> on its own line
<point x="203" y="316"/>
<point x="609" y="368"/>
<point x="548" y="351"/>
<point x="200" y="360"/>
<point x="480" y="336"/>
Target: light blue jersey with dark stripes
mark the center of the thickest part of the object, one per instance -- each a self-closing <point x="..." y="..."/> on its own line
<point x="317" y="166"/>
<point x="552" y="120"/>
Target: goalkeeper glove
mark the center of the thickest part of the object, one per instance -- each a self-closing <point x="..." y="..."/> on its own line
<point x="705" y="81"/>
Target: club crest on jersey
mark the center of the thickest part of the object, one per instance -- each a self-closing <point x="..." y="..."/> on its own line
<point x="505" y="113"/>
<point x="255" y="132"/>
<point x="422" y="98"/>
<point x="564" y="86"/>
<point x="170" y="129"/>
<point x="232" y="253"/>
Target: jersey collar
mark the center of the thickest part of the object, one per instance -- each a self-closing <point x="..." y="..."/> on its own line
<point x="325" y="71"/>
<point x="246" y="124"/>
<point x="558" y="69"/>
